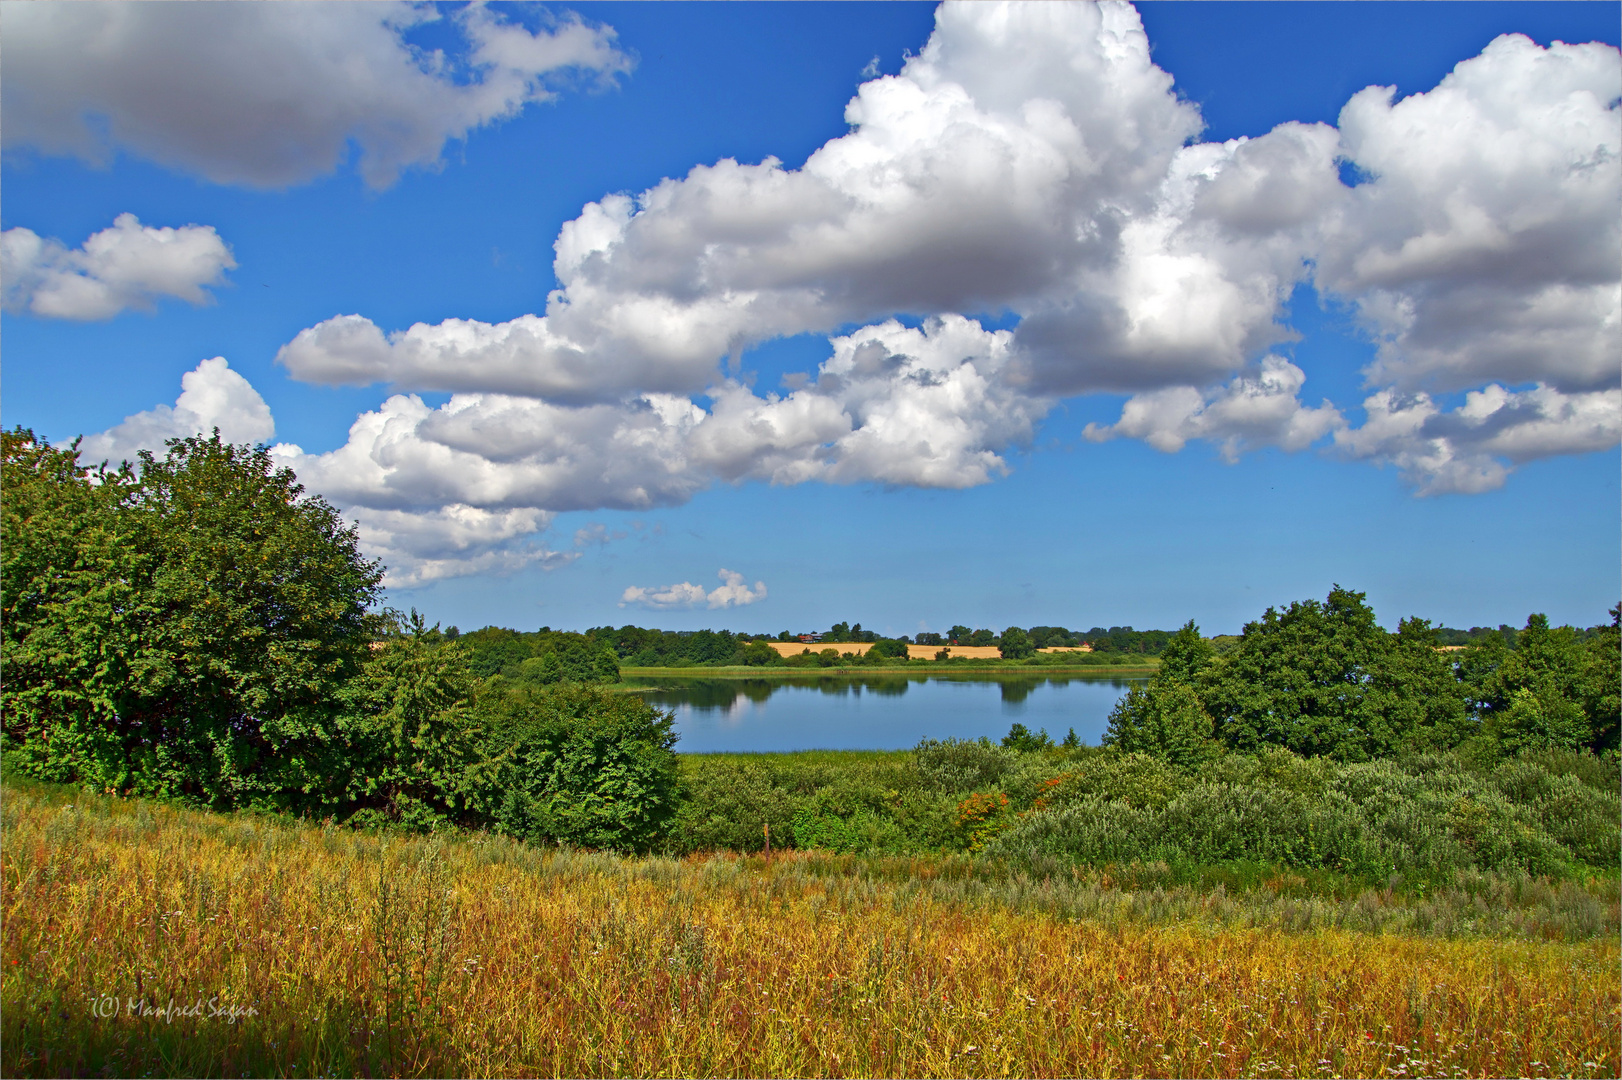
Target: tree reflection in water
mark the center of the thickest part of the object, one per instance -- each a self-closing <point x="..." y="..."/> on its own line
<point x="727" y="694"/>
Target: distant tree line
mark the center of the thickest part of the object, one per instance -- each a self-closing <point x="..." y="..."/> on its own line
<point x="500" y="651"/>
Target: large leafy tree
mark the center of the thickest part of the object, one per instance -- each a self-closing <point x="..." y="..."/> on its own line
<point x="180" y="628"/>
<point x="1555" y="688"/>
<point x="1326" y="679"/>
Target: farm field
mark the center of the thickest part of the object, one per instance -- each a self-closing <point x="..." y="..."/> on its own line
<point x="141" y="938"/>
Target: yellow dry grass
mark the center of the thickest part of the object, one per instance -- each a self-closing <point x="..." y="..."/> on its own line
<point x="347" y="954"/>
<point x="971" y="652"/>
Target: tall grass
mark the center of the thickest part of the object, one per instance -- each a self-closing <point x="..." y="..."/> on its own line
<point x="302" y="951"/>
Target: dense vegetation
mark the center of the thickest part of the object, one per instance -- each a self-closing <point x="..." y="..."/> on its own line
<point x="1426" y="818"/>
<point x="195" y="631"/>
<point x="196" y="628"/>
<point x="1326" y="679"/>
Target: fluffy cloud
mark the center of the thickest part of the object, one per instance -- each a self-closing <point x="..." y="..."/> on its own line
<point x="1030" y="160"/>
<point x="909" y="406"/>
<point x="212" y="396"/>
<point x="1254" y="410"/>
<point x="269" y="95"/>
<point x="1485" y="245"/>
<point x="968" y="183"/>
<point x="731" y="593"/>
<point x="421" y="546"/>
<point x="1474" y="448"/>
<point x="923" y="406"/>
<point x="129" y="265"/>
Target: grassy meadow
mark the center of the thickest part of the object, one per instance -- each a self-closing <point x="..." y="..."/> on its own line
<point x="144" y="939"/>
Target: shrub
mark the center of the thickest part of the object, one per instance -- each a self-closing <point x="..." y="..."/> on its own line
<point x="1136" y="779"/>
<point x="961" y="765"/>
<point x="574" y="764"/>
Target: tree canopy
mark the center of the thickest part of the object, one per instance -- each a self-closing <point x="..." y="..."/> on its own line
<point x="1324" y="679"/>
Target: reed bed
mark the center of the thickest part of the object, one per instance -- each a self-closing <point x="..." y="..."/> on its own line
<point x="141" y="939"/>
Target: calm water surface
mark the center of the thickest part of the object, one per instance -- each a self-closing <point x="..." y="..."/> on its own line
<point x="879" y="712"/>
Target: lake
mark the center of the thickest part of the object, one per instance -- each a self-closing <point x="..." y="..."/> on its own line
<point x="878" y="712"/>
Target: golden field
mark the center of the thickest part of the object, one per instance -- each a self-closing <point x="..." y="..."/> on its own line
<point x="140" y="938"/>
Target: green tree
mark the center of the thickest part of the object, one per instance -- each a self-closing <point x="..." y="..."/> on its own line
<point x="959" y="635"/>
<point x="1021" y="740"/>
<point x="1165" y="720"/>
<point x="758" y="653"/>
<point x="192" y="643"/>
<point x="1553" y="690"/>
<point x="576" y="764"/>
<point x="1187" y="655"/>
<point x="1325" y="679"/>
<point x="1015" y="645"/>
<point x="889" y="649"/>
<point x="405" y="747"/>
<point x="1602" y="683"/>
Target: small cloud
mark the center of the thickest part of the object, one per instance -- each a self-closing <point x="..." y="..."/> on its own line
<point x="871" y="71"/>
<point x="731" y="593"/>
<point x="598" y="534"/>
<point x="735" y="593"/>
<point x="664" y="597"/>
<point x="129" y="265"/>
<point x="212" y="396"/>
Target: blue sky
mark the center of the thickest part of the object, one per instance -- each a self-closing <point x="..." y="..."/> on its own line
<point x="1088" y="361"/>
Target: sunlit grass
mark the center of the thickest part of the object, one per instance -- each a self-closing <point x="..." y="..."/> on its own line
<point x="349" y="954"/>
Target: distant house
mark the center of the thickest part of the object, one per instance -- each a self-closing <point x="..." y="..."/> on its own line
<point x="810" y="639"/>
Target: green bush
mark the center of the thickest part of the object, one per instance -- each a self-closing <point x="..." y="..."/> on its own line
<point x="961" y="765"/>
<point x="575" y="764"/>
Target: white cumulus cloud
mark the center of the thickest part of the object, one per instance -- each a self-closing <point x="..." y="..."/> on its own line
<point x="1487" y="242"/>
<point x="968" y="183"/>
<point x="128" y="265"/>
<point x="1260" y="408"/>
<point x="1030" y="163"/>
<point x="269" y="95"/>
<point x="1475" y="447"/>
<point x="731" y="593"/>
<point x="212" y="396"/>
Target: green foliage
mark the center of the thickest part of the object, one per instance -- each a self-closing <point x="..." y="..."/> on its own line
<point x="1326" y="679"/>
<point x="888" y="649"/>
<point x="1186" y="656"/>
<point x="541" y="658"/>
<point x="179" y="629"/>
<point x="1165" y="719"/>
<point x="1556" y="689"/>
<point x="1139" y="780"/>
<point x="575" y="764"/>
<point x="1020" y="740"/>
<point x="758" y="654"/>
<point x="961" y="765"/>
<point x="1428" y="818"/>
<point x="196" y="628"/>
<point x="404" y="747"/>
<point x="1015" y="645"/>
